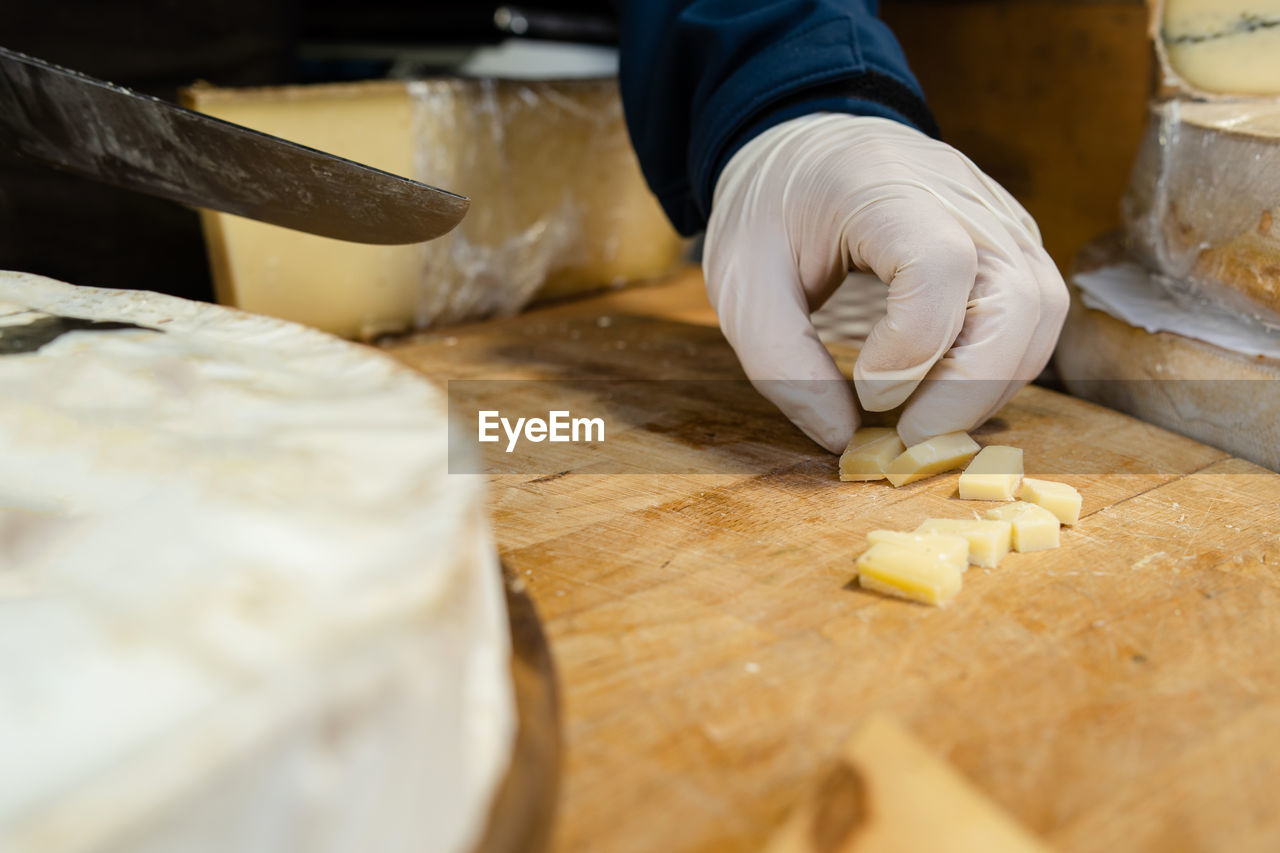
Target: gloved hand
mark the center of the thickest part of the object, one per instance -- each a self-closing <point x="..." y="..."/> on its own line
<point x="972" y="293"/>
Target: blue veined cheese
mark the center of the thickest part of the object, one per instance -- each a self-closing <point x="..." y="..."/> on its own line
<point x="1226" y="47"/>
<point x="242" y="604"/>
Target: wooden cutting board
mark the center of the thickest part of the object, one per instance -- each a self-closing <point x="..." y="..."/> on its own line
<point x="1118" y="693"/>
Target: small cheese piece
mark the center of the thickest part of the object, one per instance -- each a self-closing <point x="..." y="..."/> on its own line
<point x="951" y="549"/>
<point x="1223" y="46"/>
<point x="993" y="475"/>
<point x="938" y="454"/>
<point x="869" y="453"/>
<point x="1059" y="498"/>
<point x="1034" y="527"/>
<point x="989" y="539"/>
<point x="909" y="572"/>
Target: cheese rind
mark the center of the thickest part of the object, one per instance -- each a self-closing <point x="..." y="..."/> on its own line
<point x="928" y="458"/>
<point x="1034" y="527"/>
<point x="951" y="550"/>
<point x="993" y="475"/>
<point x="989" y="539"/>
<point x="908" y="572"/>
<point x="869" y="452"/>
<point x="1061" y="499"/>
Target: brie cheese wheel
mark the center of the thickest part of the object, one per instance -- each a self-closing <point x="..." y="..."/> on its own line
<point x="243" y="606"/>
<point x="1203" y="204"/>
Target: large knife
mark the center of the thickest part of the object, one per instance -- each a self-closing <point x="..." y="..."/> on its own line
<point x="77" y="124"/>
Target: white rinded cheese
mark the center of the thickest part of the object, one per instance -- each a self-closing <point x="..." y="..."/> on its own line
<point x="242" y="604"/>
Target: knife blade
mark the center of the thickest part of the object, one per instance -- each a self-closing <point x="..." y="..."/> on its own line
<point x="75" y="123"/>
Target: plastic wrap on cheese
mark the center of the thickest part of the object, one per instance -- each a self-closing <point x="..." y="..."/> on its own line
<point x="558" y="204"/>
<point x="1203" y="204"/>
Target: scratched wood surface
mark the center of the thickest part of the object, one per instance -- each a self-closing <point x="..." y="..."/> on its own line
<point x="1120" y="692"/>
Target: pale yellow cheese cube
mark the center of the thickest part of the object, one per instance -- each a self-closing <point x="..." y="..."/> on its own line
<point x="950" y="549"/>
<point x="870" y="450"/>
<point x="908" y="572"/>
<point x="1034" y="527"/>
<point x="938" y="454"/>
<point x="1059" y="498"/>
<point x="993" y="475"/>
<point x="989" y="539"/>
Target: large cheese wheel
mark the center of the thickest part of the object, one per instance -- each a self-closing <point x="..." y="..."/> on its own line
<point x="1214" y="48"/>
<point x="243" y="606"/>
<point x="1204" y="200"/>
<point x="1222" y="398"/>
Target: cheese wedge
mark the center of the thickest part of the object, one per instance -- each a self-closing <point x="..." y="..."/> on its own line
<point x="1034" y="527"/>
<point x="993" y="475"/>
<point x="869" y="452"/>
<point x="938" y="454"/>
<point x="989" y="539"/>
<point x="1059" y="498"/>
<point x="906" y="571"/>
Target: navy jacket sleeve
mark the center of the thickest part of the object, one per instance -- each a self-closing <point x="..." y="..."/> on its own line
<point x="702" y="77"/>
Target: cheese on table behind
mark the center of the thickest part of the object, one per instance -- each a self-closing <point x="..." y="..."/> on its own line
<point x="714" y="654"/>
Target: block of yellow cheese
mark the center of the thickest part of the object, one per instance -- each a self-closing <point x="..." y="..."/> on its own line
<point x="938" y="454"/>
<point x="989" y="539"/>
<point x="908" y="571"/>
<point x="1034" y="527"/>
<point x="951" y="549"/>
<point x="869" y="452"/>
<point x="558" y="203"/>
<point x="1218" y="47"/>
<point x="1059" y="498"/>
<point x="993" y="475"/>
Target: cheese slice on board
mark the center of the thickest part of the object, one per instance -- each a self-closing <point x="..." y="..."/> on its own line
<point x="243" y="606"/>
<point x="1203" y="203"/>
<point x="1217" y="47"/>
<point x="558" y="203"/>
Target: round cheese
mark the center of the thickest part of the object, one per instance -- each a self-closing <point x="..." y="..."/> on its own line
<point x="243" y="606"/>
<point x="1222" y="398"/>
<point x="1204" y="200"/>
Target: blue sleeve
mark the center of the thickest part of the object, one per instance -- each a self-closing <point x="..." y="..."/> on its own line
<point x="702" y="77"/>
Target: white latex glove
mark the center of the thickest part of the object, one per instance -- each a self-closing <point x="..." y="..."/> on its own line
<point x="972" y="293"/>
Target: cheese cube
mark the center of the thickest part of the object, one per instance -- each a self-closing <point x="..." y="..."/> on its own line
<point x="993" y="475"/>
<point x="869" y="452"/>
<point x="938" y="454"/>
<point x="950" y="549"/>
<point x="908" y="572"/>
<point x="989" y="540"/>
<point x="1034" y="527"/>
<point x="1059" y="498"/>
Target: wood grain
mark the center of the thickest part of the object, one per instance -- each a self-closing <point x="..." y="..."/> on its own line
<point x="1117" y="693"/>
